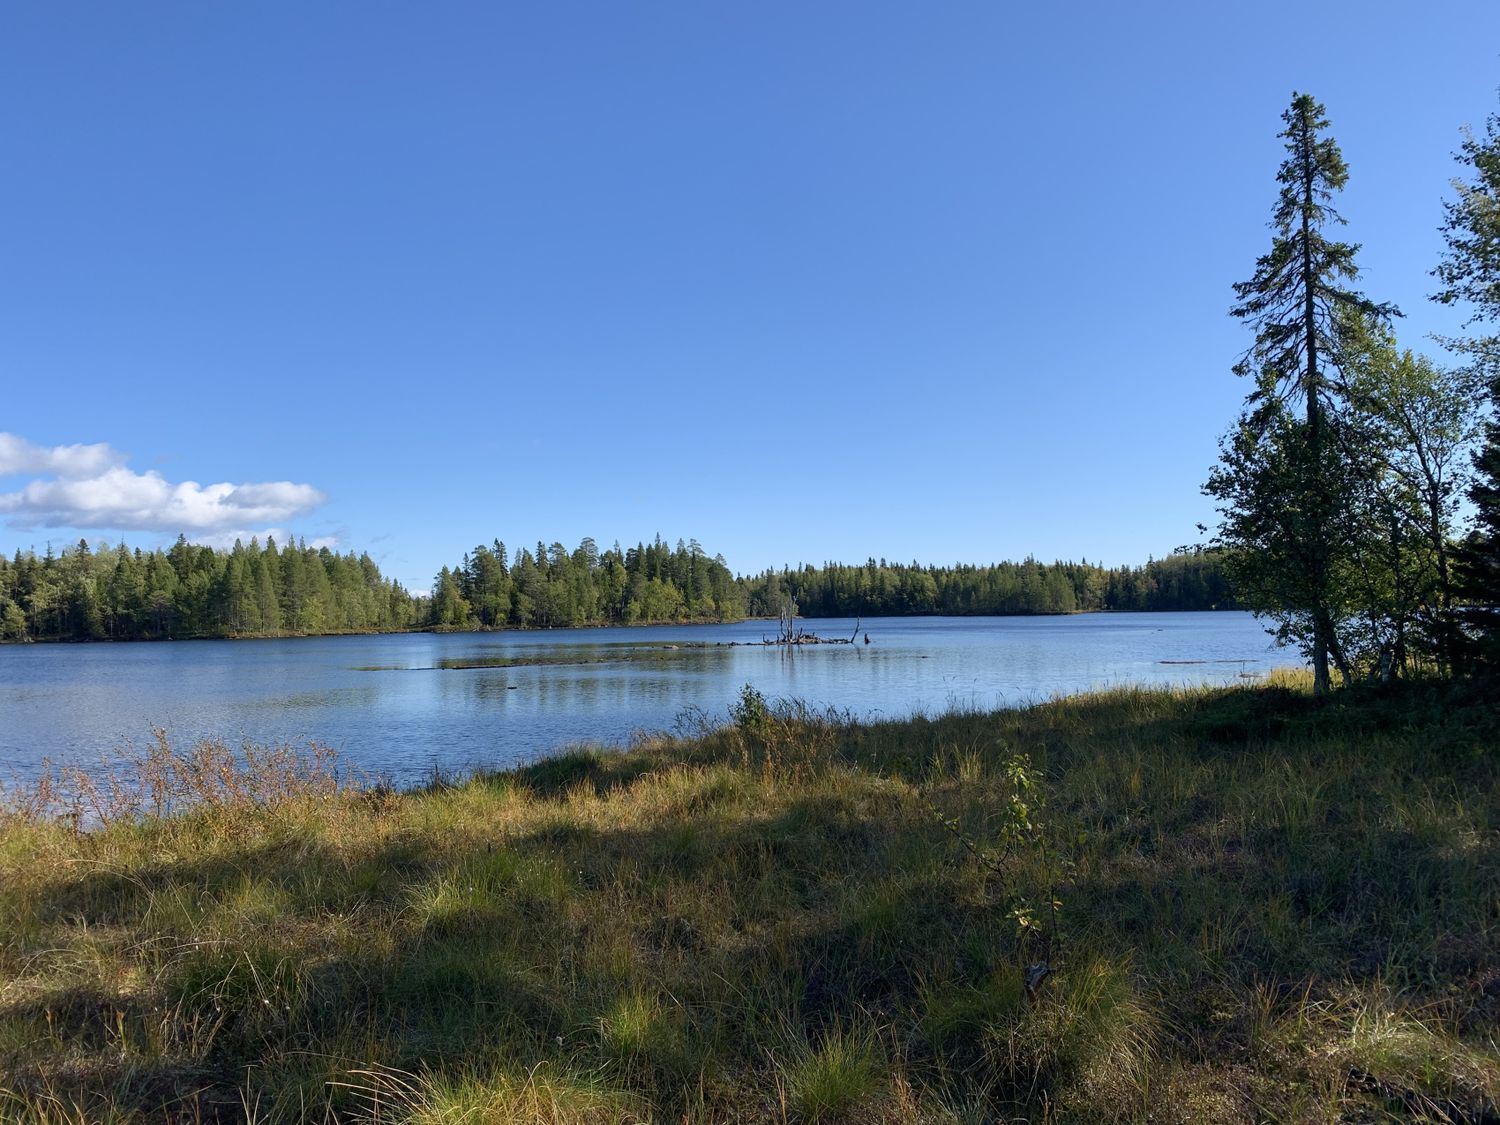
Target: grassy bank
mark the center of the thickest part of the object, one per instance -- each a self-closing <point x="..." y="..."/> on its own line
<point x="1233" y="905"/>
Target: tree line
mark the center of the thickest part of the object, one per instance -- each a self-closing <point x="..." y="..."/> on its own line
<point x="1341" y="483"/>
<point x="193" y="590"/>
<point x="1186" y="580"/>
<point x="255" y="590"/>
<point x="552" y="587"/>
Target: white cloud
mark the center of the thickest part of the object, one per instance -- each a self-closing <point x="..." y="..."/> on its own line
<point x="20" y="457"/>
<point x="89" y="487"/>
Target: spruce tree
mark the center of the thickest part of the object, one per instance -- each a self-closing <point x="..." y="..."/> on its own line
<point x="1279" y="483"/>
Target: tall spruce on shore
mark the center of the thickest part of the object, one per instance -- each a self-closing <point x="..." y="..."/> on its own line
<point x="1280" y="481"/>
<point x="1470" y="275"/>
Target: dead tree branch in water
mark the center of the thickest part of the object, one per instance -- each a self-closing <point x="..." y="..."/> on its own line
<point x="789" y="633"/>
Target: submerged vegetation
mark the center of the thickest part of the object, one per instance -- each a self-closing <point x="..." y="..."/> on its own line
<point x="1236" y="904"/>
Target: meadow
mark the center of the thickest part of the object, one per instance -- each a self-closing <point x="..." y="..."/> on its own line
<point x="1216" y="904"/>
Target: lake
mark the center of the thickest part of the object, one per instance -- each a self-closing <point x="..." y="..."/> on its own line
<point x="404" y="705"/>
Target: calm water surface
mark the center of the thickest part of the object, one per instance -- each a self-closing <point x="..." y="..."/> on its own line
<point x="403" y="705"/>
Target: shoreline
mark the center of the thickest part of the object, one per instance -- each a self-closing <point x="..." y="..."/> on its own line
<point x="449" y="630"/>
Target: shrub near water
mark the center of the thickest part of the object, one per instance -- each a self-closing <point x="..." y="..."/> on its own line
<point x="1270" y="909"/>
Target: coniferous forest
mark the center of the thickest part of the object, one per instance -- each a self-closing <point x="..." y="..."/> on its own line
<point x="552" y="588"/>
<point x="1183" y="580"/>
<point x="256" y="590"/>
<point x="197" y="591"/>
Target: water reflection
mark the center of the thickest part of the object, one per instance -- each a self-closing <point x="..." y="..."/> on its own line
<point x="318" y="700"/>
<point x="404" y="705"/>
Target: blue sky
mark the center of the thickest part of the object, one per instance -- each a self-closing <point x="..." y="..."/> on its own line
<point x="804" y="281"/>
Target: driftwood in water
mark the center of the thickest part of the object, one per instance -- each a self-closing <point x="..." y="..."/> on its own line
<point x="790" y="633"/>
<point x="807" y="639"/>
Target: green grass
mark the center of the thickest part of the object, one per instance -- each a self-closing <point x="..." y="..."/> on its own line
<point x="837" y="1079"/>
<point x="1272" y="909"/>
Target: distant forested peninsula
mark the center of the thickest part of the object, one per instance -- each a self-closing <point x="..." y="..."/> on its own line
<point x="191" y="590"/>
<point x="1189" y="579"/>
<point x="257" y="590"/>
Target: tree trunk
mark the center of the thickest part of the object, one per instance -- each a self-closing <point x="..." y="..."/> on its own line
<point x="1321" y="623"/>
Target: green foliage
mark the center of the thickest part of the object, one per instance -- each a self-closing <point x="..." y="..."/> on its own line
<point x="1185" y="580"/>
<point x="750" y="713"/>
<point x="1339" y="484"/>
<point x="1413" y="426"/>
<point x="1470" y="274"/>
<point x="1272" y="488"/>
<point x="1280" y="489"/>
<point x="836" y="1079"/>
<point x="197" y="591"/>
<point x="250" y="591"/>
<point x="1470" y="271"/>
<point x="1024" y="859"/>
<point x="1479" y="556"/>
<point x="1294" y="301"/>
<point x="551" y="588"/>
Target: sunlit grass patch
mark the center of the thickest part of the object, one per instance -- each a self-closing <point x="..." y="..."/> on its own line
<point x="836" y="1078"/>
<point x="46" y="1105"/>
<point x="651" y="1039"/>
<point x="1088" y="1032"/>
<point x="1371" y="1051"/>
<point x="542" y="1094"/>
<point x="490" y="890"/>
<point x="631" y="1025"/>
<point x="1406" y="1052"/>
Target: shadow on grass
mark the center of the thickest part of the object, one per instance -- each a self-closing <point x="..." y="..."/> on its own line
<point x="314" y="878"/>
<point x="730" y="927"/>
<point x="516" y="971"/>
